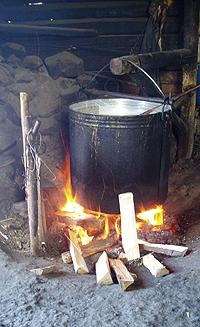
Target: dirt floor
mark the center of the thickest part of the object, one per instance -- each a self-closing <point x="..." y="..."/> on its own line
<point x="67" y="299"/>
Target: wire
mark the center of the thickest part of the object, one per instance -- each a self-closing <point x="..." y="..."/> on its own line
<point x="144" y="72"/>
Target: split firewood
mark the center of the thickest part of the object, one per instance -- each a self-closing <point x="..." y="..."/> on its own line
<point x="79" y="263"/>
<point x="66" y="257"/>
<point x="103" y="273"/>
<point x="125" y="279"/>
<point x="168" y="249"/>
<point x="122" y="256"/>
<point x="156" y="268"/>
<point x="45" y="270"/>
<point x="96" y="246"/>
<point x="128" y="226"/>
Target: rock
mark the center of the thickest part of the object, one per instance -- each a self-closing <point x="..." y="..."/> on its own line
<point x="23" y="75"/>
<point x="5" y="76"/>
<point x="64" y="64"/>
<point x="65" y="83"/>
<point x="83" y="80"/>
<point x="70" y="95"/>
<point x="3" y="114"/>
<point x="53" y="121"/>
<point x="14" y="61"/>
<point x="10" y="48"/>
<point x="53" y="156"/>
<point x="46" y="101"/>
<point x="2" y="59"/>
<point x="8" y="135"/>
<point x="9" y="68"/>
<point x="10" y="103"/>
<point x="33" y="62"/>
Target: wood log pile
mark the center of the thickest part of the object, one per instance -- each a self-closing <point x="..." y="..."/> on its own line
<point x="113" y="263"/>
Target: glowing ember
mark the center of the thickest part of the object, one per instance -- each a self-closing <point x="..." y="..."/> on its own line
<point x="153" y="216"/>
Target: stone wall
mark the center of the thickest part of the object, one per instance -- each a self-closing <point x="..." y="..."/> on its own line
<point x="52" y="84"/>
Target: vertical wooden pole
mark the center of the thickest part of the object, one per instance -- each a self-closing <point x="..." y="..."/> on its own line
<point x="128" y="226"/>
<point x="31" y="175"/>
<point x="191" y="23"/>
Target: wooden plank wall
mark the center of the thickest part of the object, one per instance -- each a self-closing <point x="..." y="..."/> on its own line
<point x="120" y="26"/>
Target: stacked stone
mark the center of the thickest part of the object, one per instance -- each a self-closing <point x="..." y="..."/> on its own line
<point x="52" y="85"/>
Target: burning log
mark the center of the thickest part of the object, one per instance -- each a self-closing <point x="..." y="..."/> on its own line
<point x="125" y="279"/>
<point x="45" y="270"/>
<point x="103" y="273"/>
<point x="128" y="226"/>
<point x="85" y="220"/>
<point x="167" y="249"/>
<point x="79" y="263"/>
<point x="156" y="268"/>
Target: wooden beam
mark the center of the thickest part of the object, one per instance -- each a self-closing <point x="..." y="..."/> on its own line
<point x="128" y="226"/>
<point x="167" y="249"/>
<point x="80" y="9"/>
<point x="155" y="267"/>
<point x="79" y="263"/>
<point x="107" y="25"/>
<point x="121" y="66"/>
<point x="103" y="273"/>
<point x="46" y="30"/>
<point x="125" y="279"/>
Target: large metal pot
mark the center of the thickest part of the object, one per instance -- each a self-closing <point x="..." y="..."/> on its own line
<point x="116" y="149"/>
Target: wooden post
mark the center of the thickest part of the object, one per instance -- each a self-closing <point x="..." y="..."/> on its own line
<point x="31" y="176"/>
<point x="191" y="23"/>
<point x="128" y="226"/>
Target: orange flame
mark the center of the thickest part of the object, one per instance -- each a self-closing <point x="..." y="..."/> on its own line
<point x="82" y="235"/>
<point x="153" y="217"/>
<point x="106" y="229"/>
<point x="70" y="205"/>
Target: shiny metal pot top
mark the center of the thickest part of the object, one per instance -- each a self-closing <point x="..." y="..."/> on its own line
<point x="117" y="107"/>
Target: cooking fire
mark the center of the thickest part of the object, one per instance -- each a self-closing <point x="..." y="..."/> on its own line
<point x="111" y="226"/>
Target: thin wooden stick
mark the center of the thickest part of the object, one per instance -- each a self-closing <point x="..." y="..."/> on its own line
<point x="31" y="177"/>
